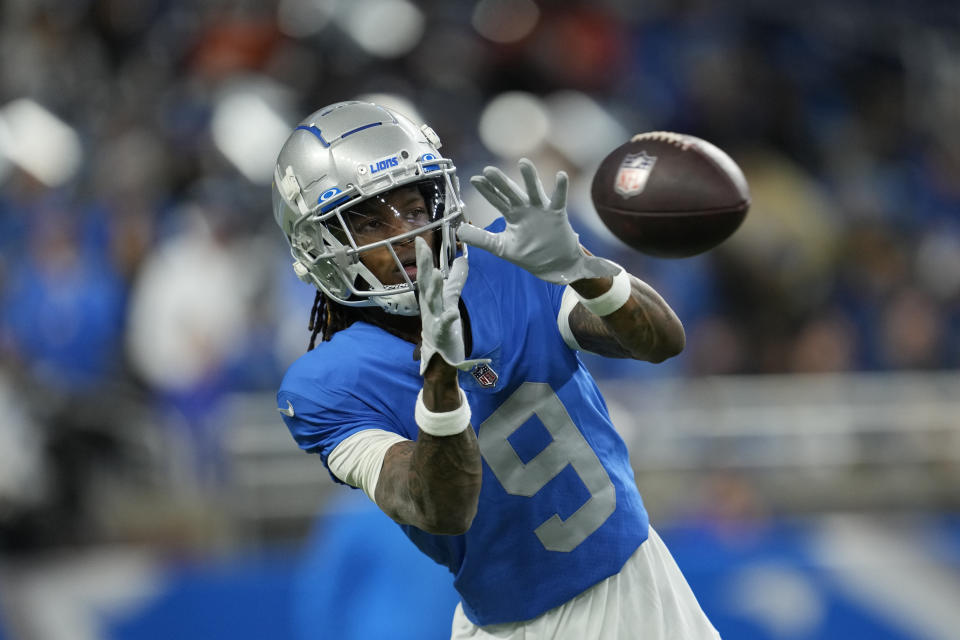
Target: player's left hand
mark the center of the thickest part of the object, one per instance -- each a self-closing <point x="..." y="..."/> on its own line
<point x="442" y="331"/>
<point x="538" y="236"/>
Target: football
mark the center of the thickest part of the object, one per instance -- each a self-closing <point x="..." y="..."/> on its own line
<point x="670" y="195"/>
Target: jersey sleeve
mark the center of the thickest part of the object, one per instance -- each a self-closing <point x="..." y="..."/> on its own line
<point x="358" y="459"/>
<point x="559" y="300"/>
<point x="318" y="426"/>
<point x="552" y="293"/>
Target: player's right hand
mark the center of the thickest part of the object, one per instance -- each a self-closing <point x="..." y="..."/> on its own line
<point x="442" y="330"/>
<point x="538" y="236"/>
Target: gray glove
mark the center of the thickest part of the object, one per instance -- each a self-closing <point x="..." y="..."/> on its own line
<point x="538" y="236"/>
<point x="442" y="331"/>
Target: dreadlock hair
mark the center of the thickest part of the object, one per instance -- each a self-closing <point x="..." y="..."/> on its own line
<point x="326" y="318"/>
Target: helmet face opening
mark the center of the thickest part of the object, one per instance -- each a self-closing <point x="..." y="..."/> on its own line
<point x="389" y="214"/>
<point x="351" y="209"/>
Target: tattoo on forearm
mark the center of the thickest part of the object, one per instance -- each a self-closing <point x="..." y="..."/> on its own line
<point x="432" y="483"/>
<point x="593" y="335"/>
<point x="644" y="328"/>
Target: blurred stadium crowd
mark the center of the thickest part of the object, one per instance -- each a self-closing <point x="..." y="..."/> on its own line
<point x="142" y="278"/>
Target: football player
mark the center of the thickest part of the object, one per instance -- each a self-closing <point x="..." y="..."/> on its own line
<point x="457" y="402"/>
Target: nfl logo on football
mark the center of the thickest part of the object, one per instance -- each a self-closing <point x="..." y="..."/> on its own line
<point x="486" y="376"/>
<point x="633" y="173"/>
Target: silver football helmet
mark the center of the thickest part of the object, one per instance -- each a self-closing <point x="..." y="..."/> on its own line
<point x="342" y="156"/>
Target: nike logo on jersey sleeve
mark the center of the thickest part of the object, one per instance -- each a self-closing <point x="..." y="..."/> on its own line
<point x="288" y="411"/>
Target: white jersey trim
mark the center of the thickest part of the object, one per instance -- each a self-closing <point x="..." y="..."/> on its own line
<point x="357" y="460"/>
<point x="567" y="303"/>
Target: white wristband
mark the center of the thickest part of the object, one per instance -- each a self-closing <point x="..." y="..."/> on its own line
<point x="446" y="423"/>
<point x="613" y="299"/>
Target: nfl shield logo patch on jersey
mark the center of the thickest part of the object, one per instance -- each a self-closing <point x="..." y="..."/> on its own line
<point x="633" y="173"/>
<point x="486" y="376"/>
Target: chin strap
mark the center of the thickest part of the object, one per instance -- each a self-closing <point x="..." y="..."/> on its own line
<point x="399" y="304"/>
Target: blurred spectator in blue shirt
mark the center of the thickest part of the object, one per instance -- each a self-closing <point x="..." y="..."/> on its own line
<point x="62" y="311"/>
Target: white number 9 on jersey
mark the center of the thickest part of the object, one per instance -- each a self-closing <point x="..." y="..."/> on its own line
<point x="568" y="447"/>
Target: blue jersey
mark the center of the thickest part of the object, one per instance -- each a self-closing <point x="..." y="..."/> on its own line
<point x="559" y="509"/>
